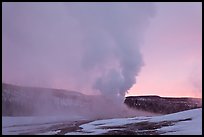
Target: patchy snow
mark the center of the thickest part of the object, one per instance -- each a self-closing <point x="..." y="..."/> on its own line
<point x="30" y="120"/>
<point x="49" y="133"/>
<point x="17" y="125"/>
<point x="94" y="128"/>
<point x="191" y="127"/>
<point x="19" y="129"/>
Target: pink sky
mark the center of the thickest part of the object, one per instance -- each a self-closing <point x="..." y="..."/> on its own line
<point x="77" y="46"/>
<point x="172" y="52"/>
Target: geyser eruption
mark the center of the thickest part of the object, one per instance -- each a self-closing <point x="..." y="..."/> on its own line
<point x="74" y="46"/>
<point x="117" y="57"/>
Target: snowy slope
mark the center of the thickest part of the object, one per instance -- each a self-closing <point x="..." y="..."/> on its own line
<point x="18" y="125"/>
<point x="181" y="123"/>
<point x="19" y="121"/>
<point x="30" y="101"/>
<point x="35" y="101"/>
<point x="185" y="123"/>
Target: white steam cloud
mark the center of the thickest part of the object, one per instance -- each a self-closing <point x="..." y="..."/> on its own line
<point x="81" y="46"/>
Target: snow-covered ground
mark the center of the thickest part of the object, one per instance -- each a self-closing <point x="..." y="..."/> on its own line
<point x="185" y="123"/>
<point x="12" y="121"/>
<point x="183" y="127"/>
<point x="18" y="125"/>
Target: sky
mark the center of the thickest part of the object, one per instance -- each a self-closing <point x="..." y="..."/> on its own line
<point x="172" y="52"/>
<point x="108" y="48"/>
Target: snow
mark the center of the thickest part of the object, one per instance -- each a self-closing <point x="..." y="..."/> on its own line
<point x="49" y="133"/>
<point x="194" y="113"/>
<point x="94" y="128"/>
<point x="12" y="121"/>
<point x="17" y="125"/>
<point x="191" y="127"/>
<point x="18" y="129"/>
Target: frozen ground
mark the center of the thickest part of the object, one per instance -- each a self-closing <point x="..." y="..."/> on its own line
<point x="182" y="123"/>
<point x="35" y="125"/>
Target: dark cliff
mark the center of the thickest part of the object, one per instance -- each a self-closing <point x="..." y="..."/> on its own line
<point x="163" y="105"/>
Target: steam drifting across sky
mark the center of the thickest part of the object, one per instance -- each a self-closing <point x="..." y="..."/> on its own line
<point x="172" y="52"/>
<point x="79" y="46"/>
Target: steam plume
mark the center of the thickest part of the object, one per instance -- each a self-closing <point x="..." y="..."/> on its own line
<point x="81" y="46"/>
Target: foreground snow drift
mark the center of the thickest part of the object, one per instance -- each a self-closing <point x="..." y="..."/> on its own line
<point x="19" y="125"/>
<point x="182" y="123"/>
